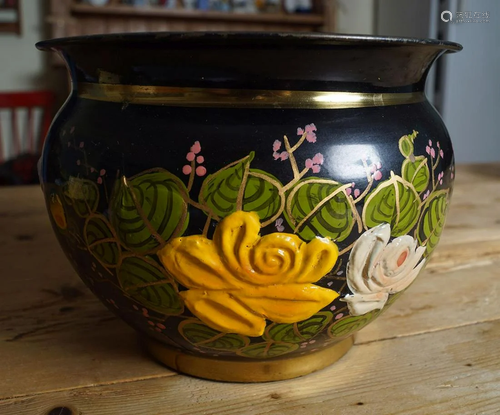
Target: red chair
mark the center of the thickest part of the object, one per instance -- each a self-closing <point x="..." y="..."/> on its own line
<point x="13" y="101"/>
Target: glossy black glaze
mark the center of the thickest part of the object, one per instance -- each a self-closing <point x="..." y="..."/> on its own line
<point x="90" y="137"/>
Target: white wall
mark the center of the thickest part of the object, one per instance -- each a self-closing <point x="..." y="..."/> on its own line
<point x="21" y="65"/>
<point x="356" y="17"/>
<point x="471" y="78"/>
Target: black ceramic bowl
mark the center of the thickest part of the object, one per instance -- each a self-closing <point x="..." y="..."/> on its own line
<point x="247" y="201"/>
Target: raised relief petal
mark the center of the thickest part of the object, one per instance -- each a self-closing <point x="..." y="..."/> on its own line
<point x="239" y="279"/>
<point x="377" y="268"/>
<point x="195" y="263"/>
<point x="287" y="303"/>
<point x="221" y="311"/>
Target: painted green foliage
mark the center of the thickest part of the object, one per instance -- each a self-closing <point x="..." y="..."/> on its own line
<point x="394" y="201"/>
<point x="146" y="282"/>
<point x="201" y="335"/>
<point x="148" y="209"/>
<point x="267" y="350"/>
<point x="406" y="146"/>
<point x="82" y="194"/>
<point x="350" y="324"/>
<point x="261" y="193"/>
<point x="298" y="332"/>
<point x="101" y="241"/>
<point x="332" y="210"/>
<point x="432" y="220"/>
<point x="416" y="172"/>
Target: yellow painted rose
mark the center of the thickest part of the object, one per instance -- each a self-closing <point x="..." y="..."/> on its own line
<point x="239" y="278"/>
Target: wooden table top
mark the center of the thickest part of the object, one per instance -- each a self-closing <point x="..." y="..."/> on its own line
<point x="436" y="351"/>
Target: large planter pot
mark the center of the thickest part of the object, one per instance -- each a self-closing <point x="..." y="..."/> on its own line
<point x="247" y="201"/>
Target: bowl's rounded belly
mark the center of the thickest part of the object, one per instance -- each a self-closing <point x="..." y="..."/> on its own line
<point x="228" y="231"/>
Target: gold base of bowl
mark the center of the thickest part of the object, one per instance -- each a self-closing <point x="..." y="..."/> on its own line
<point x="248" y="370"/>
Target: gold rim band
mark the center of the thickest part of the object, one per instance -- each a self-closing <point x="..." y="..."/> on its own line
<point x="240" y="98"/>
<point x="248" y="370"/>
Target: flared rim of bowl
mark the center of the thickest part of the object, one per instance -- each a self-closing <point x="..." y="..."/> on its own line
<point x="263" y="38"/>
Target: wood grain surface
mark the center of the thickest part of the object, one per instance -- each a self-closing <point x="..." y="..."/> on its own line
<point x="436" y="351"/>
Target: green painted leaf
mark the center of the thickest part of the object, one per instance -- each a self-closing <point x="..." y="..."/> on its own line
<point x="298" y="332"/>
<point x="432" y="220"/>
<point x="334" y="218"/>
<point x="416" y="173"/>
<point x="101" y="241"/>
<point x="146" y="282"/>
<point x="262" y="195"/>
<point x="82" y="194"/>
<point x="267" y="350"/>
<point x="220" y="190"/>
<point x="201" y="335"/>
<point x="350" y="324"/>
<point x="406" y="144"/>
<point x="394" y="201"/>
<point x="148" y="209"/>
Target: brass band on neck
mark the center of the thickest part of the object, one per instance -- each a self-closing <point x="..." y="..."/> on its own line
<point x="240" y="98"/>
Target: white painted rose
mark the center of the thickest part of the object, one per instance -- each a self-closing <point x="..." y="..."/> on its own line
<point x="377" y="269"/>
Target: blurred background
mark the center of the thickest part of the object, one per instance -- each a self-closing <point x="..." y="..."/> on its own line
<point x="465" y="88"/>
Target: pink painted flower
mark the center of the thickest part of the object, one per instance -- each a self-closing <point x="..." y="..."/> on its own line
<point x="428" y="150"/>
<point x="430" y="143"/>
<point x="187" y="169"/>
<point x="99" y="180"/>
<point x="329" y="283"/>
<point x="441" y="153"/>
<point x="200" y="159"/>
<point x="373" y="168"/>
<point x="333" y="308"/>
<point x="339" y="316"/>
<point x="377" y="175"/>
<point x="300" y="131"/>
<point x="440" y="177"/>
<point x="348" y="191"/>
<point x="161" y="326"/>
<point x="426" y="194"/>
<point x="190" y="156"/>
<point x="276" y="145"/>
<point x="72" y="130"/>
<point x="439" y="145"/>
<point x="312" y="341"/>
<point x="318" y="158"/>
<point x="284" y="156"/>
<point x="316" y="168"/>
<point x="452" y="175"/>
<point x="78" y="162"/>
<point x="102" y="172"/>
<point x="82" y="144"/>
<point x="201" y="171"/>
<point x="433" y="152"/>
<point x="276" y="155"/>
<point x="356" y="192"/>
<point x="310" y="128"/>
<point x="279" y="225"/>
<point x="196" y="147"/>
<point x="151" y="323"/>
<point x="310" y="131"/>
<point x="309" y="163"/>
<point x="378" y="165"/>
<point x="92" y="170"/>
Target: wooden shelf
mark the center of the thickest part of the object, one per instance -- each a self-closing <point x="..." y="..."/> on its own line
<point x="159" y="12"/>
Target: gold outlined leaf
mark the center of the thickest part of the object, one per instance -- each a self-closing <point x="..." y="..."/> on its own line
<point x="148" y="209"/>
<point x="320" y="207"/>
<point x="394" y="201"/>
